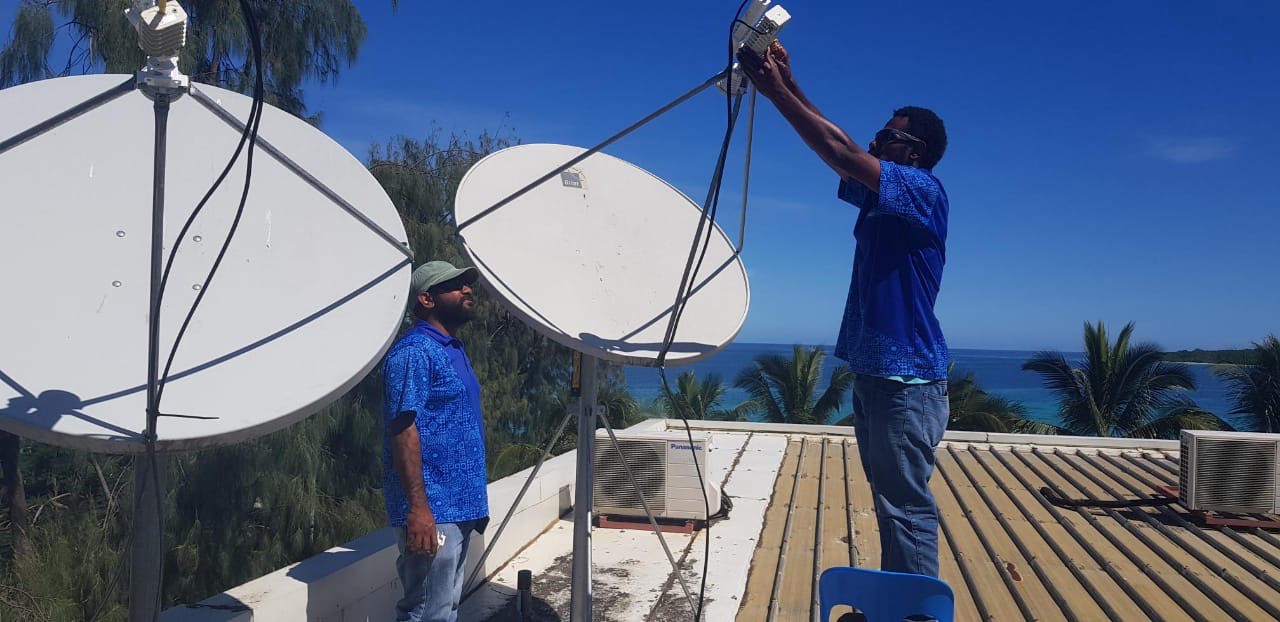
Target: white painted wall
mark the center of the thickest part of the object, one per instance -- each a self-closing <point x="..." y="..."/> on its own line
<point x="357" y="581"/>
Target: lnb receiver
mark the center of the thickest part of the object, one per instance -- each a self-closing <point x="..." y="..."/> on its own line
<point x="756" y="32"/>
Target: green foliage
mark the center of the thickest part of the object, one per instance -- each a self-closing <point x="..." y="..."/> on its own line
<point x="1121" y="389"/>
<point x="1254" y="386"/>
<point x="975" y="410"/>
<point x="785" y="390"/>
<point x="311" y="40"/>
<point x="701" y="399"/>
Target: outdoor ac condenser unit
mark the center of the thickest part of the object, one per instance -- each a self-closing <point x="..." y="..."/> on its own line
<point x="663" y="465"/>
<point x="1230" y="472"/>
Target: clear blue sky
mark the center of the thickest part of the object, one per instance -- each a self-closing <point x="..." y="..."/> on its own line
<point x="1108" y="163"/>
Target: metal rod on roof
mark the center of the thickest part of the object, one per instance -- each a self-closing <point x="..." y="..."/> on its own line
<point x="493" y="541"/>
<point x="1005" y="576"/>
<point x="785" y="544"/>
<point x="675" y="568"/>
<point x="1217" y="567"/>
<point x="1106" y="564"/>
<point x="1161" y="551"/>
<point x="815" y="612"/>
<point x="1250" y="567"/>
<point x="848" y="503"/>
<point x="1049" y="584"/>
<point x="966" y="569"/>
<point x="584" y="489"/>
<point x="1146" y="568"/>
<point x="1053" y="545"/>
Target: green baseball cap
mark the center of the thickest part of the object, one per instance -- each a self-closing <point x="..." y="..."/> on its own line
<point x="433" y="273"/>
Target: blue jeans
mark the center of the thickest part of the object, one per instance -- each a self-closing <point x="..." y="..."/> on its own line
<point x="433" y="585"/>
<point x="898" y="427"/>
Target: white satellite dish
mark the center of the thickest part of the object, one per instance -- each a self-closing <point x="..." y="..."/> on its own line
<point x="593" y="258"/>
<point x="593" y="255"/>
<point x="305" y="303"/>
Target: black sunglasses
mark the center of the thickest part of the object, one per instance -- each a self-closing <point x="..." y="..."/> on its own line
<point x="891" y="135"/>
<point x="451" y="285"/>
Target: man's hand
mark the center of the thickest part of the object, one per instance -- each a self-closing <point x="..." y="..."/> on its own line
<point x="420" y="529"/>
<point x="771" y="74"/>
<point x="779" y="56"/>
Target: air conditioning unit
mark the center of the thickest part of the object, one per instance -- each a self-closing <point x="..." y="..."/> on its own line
<point x="663" y="464"/>
<point x="1230" y="472"/>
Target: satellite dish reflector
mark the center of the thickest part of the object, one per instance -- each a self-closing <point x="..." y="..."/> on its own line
<point x="306" y="301"/>
<point x="593" y="258"/>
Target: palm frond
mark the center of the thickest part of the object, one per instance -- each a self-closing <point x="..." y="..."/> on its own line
<point x="1185" y="416"/>
<point x="838" y="387"/>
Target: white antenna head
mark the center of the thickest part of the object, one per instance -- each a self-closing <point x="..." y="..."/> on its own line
<point x="755" y="33"/>
<point x="162" y="32"/>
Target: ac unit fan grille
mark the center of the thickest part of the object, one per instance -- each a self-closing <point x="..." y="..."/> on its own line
<point x="1235" y="473"/>
<point x="648" y="463"/>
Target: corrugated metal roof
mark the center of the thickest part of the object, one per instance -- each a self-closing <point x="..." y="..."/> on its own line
<point x="1006" y="551"/>
<point x="803" y="504"/>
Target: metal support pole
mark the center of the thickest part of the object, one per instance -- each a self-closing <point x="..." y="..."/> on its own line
<point x="146" y="557"/>
<point x="746" y="168"/>
<point x="580" y="610"/>
<point x="592" y="151"/>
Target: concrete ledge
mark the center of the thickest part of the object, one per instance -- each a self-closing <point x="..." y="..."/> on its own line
<point x="357" y="581"/>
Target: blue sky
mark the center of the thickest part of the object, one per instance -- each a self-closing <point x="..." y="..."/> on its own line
<point x="1110" y="163"/>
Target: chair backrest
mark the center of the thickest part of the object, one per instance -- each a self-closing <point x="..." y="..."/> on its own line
<point x="884" y="596"/>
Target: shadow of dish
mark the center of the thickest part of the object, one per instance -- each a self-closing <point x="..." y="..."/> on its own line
<point x="46" y="409"/>
<point x="629" y="347"/>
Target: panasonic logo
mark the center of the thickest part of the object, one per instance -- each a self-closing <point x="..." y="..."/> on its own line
<point x="685" y="447"/>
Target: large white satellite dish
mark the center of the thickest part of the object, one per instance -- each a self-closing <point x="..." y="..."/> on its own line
<point x="305" y="303"/>
<point x="594" y="255"/>
<point x="593" y="258"/>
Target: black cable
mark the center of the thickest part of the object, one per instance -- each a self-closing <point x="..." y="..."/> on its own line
<point x="248" y="136"/>
<point x="686" y="287"/>
<point x="251" y="128"/>
<point x="753" y="28"/>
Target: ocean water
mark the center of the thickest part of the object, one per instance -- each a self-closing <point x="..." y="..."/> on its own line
<point x="998" y="371"/>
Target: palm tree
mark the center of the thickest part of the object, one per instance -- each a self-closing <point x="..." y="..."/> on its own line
<point x="700" y="399"/>
<point x="975" y="410"/>
<point x="1255" y="388"/>
<point x="786" y="390"/>
<point x="1122" y="390"/>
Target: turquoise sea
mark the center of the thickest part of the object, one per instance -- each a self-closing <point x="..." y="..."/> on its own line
<point x="997" y="371"/>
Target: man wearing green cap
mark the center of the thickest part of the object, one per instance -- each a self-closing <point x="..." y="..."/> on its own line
<point x="433" y="460"/>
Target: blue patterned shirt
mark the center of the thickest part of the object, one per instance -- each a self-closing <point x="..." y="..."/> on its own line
<point x="889" y="328"/>
<point x="428" y="373"/>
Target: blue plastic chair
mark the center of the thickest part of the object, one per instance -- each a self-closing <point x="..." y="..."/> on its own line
<point x="884" y="596"/>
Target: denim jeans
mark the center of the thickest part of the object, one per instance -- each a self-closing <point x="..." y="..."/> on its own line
<point x="898" y="426"/>
<point x="433" y="585"/>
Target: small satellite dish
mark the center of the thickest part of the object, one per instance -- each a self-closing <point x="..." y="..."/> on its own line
<point x="593" y="258"/>
<point x="305" y="303"/>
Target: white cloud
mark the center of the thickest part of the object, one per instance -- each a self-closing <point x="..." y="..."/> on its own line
<point x="1191" y="150"/>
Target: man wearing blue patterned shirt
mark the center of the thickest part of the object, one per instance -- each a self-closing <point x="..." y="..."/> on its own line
<point x="889" y="335"/>
<point x="433" y="459"/>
